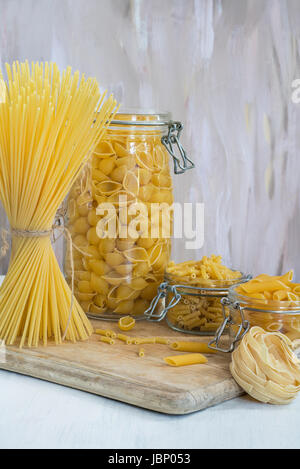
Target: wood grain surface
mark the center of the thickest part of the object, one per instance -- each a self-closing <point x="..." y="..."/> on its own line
<point x="116" y="371"/>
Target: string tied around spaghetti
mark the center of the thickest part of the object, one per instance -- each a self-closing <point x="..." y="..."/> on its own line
<point x="58" y="225"/>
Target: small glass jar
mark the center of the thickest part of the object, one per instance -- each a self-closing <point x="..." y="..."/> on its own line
<point x="192" y="307"/>
<point x="120" y="216"/>
<point x="241" y="312"/>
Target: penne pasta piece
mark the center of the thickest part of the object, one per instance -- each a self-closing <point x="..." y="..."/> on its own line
<point x="107" y="340"/>
<point x="188" y="359"/>
<point x="124" y="338"/>
<point x="200" y="347"/>
<point x="269" y="285"/>
<point x="144" y="340"/>
<point x="104" y="332"/>
<point x="162" y="341"/>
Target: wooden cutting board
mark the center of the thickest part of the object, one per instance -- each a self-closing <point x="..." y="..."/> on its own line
<point x="116" y="371"/>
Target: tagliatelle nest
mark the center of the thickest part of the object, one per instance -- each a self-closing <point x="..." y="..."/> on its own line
<point x="265" y="367"/>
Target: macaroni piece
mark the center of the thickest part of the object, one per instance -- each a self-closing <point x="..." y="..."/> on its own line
<point x="124" y="338"/>
<point x="141" y="352"/>
<point x="104" y="332"/>
<point x="162" y="341"/>
<point x="188" y="359"/>
<point x="144" y="340"/>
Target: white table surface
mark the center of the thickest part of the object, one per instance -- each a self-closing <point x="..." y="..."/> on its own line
<point x="37" y="414"/>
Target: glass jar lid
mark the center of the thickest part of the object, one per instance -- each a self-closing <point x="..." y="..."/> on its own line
<point x="149" y="120"/>
<point x="142" y="117"/>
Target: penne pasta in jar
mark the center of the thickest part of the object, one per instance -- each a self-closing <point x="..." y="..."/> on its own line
<point x="120" y="217"/>
<point x="270" y="302"/>
<point x="193" y="292"/>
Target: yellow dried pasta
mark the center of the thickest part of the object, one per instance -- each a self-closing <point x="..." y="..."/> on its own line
<point x="129" y="166"/>
<point x="266" y="368"/>
<point x="187" y="359"/>
<point x="272" y="293"/>
<point x="196" y="312"/>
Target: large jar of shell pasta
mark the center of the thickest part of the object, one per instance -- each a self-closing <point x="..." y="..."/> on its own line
<point x="120" y="215"/>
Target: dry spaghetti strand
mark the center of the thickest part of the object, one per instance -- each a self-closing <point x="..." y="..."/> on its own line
<point x="49" y="125"/>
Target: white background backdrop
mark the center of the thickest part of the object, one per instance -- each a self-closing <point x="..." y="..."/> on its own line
<point x="224" y="68"/>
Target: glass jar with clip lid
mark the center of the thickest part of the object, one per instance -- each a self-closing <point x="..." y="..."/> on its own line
<point x="192" y="306"/>
<point x="120" y="214"/>
<point x="240" y="312"/>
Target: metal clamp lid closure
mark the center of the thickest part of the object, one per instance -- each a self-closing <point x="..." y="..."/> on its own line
<point x="164" y="288"/>
<point x="242" y="329"/>
<point x="182" y="163"/>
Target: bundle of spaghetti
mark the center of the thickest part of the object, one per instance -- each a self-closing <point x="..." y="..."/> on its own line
<point x="49" y="125"/>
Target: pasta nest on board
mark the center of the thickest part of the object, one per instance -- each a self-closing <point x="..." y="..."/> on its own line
<point x="265" y="367"/>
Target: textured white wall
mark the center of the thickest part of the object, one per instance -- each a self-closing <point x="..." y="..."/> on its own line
<point x="225" y="69"/>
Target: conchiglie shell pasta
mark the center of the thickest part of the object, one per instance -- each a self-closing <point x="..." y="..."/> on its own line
<point x="144" y="160"/>
<point x="131" y="183"/>
<point x="99" y="267"/>
<point x="144" y="176"/>
<point x="124" y="269"/>
<point x="98" y="284"/>
<point x="98" y="176"/>
<point x="129" y="171"/>
<point x="114" y="258"/>
<point x="136" y="255"/>
<point x="113" y="278"/>
<point x="128" y="161"/>
<point x="106" y="245"/>
<point x="124" y="292"/>
<point x="108" y="187"/>
<point x="163" y="181"/>
<point x="84" y="296"/>
<point x="93" y="308"/>
<point x="138" y="284"/>
<point x="121" y="198"/>
<point x="107" y="165"/>
<point x="160" y="158"/>
<point x="145" y="193"/>
<point x="125" y="244"/>
<point x="104" y="149"/>
<point x="121" y="150"/>
<point x="124" y="307"/>
<point x="118" y="173"/>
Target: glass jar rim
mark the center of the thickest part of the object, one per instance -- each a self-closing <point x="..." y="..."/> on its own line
<point x="215" y="285"/>
<point x="259" y="305"/>
<point x="132" y="116"/>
